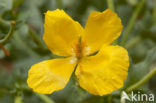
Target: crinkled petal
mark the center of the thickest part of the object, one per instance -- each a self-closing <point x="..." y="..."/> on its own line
<point x="105" y="72"/>
<point x="50" y="75"/>
<point x="61" y="32"/>
<point x="101" y="28"/>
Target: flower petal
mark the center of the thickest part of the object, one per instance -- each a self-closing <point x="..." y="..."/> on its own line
<point x="105" y="72"/>
<point x="50" y="75"/>
<point x="101" y="28"/>
<point x="61" y="32"/>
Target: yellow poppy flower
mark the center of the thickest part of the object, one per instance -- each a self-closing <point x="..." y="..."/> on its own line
<point x="99" y="73"/>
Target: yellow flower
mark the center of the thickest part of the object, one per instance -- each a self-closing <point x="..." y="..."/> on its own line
<point x="101" y="68"/>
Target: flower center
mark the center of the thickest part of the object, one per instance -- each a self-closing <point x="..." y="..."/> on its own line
<point x="79" y="49"/>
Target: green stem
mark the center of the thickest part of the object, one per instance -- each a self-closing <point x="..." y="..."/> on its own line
<point x="110" y="4"/>
<point x="45" y="98"/>
<point x="5" y="22"/>
<point x="10" y="33"/>
<point x="59" y="4"/>
<point x="154" y="11"/>
<point x="142" y="81"/>
<point x="20" y="43"/>
<point x="110" y="99"/>
<point x="131" y="22"/>
<point x="36" y="39"/>
<point x="133" y="42"/>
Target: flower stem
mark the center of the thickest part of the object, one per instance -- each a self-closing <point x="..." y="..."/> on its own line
<point x="133" y="42"/>
<point x="143" y="80"/>
<point x="154" y="11"/>
<point x="10" y="33"/>
<point x="59" y="4"/>
<point x="21" y="43"/>
<point x="45" y="98"/>
<point x="110" y="4"/>
<point x="131" y="22"/>
<point x="110" y="99"/>
<point x="5" y="22"/>
<point x="36" y="39"/>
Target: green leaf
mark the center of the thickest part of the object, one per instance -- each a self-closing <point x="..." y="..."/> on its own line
<point x="5" y="5"/>
<point x="138" y="71"/>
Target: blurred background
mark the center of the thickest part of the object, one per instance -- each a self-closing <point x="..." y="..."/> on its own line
<point x="21" y="45"/>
